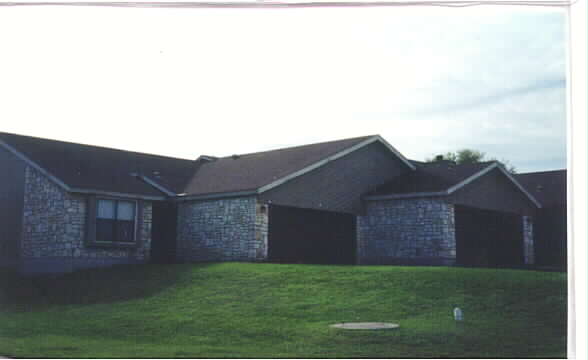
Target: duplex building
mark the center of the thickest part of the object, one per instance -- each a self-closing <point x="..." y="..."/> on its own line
<point x="66" y="206"/>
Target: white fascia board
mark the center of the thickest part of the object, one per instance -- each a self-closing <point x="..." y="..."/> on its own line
<point x="223" y="195"/>
<point x="34" y="165"/>
<point x="472" y="178"/>
<point x="116" y="194"/>
<point x="66" y="187"/>
<point x="206" y="158"/>
<point x="459" y="186"/>
<point x="336" y="156"/>
<point x="156" y="185"/>
<point x="396" y="152"/>
<point x="518" y="185"/>
<point x="405" y="196"/>
<point x="495" y="165"/>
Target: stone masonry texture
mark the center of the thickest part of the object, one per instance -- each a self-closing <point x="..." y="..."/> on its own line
<point x="221" y="230"/>
<point x="53" y="237"/>
<point x="407" y="231"/>
<point x="261" y="230"/>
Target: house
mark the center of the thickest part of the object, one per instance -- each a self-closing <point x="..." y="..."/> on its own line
<point x="67" y="206"/>
<point x="549" y="187"/>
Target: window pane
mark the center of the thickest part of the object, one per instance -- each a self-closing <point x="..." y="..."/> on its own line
<point x="105" y="209"/>
<point x="126" y="210"/>
<point x="105" y="230"/>
<point x="125" y="231"/>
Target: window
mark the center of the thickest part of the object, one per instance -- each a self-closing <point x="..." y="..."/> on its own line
<point x="115" y="221"/>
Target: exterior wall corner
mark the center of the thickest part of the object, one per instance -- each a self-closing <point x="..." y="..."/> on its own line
<point x="528" y="240"/>
<point x="261" y="231"/>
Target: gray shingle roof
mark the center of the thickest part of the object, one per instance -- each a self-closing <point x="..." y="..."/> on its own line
<point x="549" y="187"/>
<point x="99" y="168"/>
<point x="252" y="171"/>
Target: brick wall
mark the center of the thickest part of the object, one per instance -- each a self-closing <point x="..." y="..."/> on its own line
<point x="407" y="231"/>
<point x="54" y="231"/>
<point x="221" y="230"/>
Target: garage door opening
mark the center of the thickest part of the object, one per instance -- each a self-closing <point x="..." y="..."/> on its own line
<point x="488" y="238"/>
<point x="310" y="236"/>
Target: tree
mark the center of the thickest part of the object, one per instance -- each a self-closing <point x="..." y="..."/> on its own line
<point x="470" y="156"/>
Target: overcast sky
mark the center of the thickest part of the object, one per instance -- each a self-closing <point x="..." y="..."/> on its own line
<point x="185" y="82"/>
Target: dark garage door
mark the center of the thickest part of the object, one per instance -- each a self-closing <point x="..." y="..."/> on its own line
<point x="310" y="236"/>
<point x="488" y="238"/>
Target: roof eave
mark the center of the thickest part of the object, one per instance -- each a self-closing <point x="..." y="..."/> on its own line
<point x="34" y="165"/>
<point x="215" y="196"/>
<point x="482" y="172"/>
<point x="458" y="186"/>
<point x="471" y="178"/>
<point x="116" y="194"/>
<point x="68" y="188"/>
<point x="405" y="196"/>
<point x="518" y="185"/>
<point x="157" y="186"/>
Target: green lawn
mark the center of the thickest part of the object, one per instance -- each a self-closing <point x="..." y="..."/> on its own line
<point x="269" y="310"/>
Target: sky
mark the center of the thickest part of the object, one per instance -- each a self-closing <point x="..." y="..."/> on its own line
<point x="186" y="82"/>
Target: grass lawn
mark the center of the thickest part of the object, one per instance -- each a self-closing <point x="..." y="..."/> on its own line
<point x="270" y="310"/>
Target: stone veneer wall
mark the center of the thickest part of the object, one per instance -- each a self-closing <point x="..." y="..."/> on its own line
<point x="407" y="231"/>
<point x="528" y="242"/>
<point x="53" y="237"/>
<point x="221" y="230"/>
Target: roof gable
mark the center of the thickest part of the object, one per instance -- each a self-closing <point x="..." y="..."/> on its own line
<point x="262" y="171"/>
<point x="430" y="178"/>
<point x="440" y="179"/>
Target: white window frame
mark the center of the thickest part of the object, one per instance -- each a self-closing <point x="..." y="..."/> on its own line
<point x="135" y="219"/>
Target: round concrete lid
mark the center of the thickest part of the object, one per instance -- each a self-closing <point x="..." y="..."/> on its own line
<point x="365" y="326"/>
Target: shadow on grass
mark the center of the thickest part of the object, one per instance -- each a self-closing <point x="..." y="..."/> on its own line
<point x="90" y="286"/>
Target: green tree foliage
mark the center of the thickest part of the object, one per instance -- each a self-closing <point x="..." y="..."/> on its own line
<point x="470" y="156"/>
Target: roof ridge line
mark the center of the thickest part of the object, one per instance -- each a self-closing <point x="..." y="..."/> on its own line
<point x="96" y="146"/>
<point x="541" y="172"/>
<point x="298" y="146"/>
